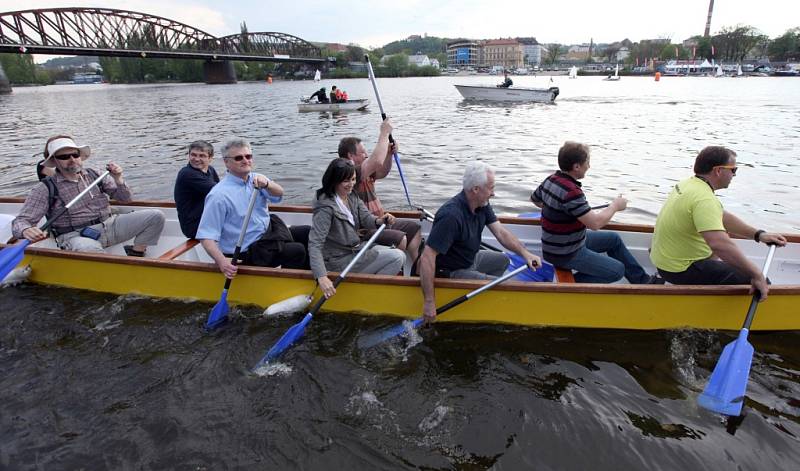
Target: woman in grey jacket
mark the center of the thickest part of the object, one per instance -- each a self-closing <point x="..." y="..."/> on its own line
<point x="339" y="219"/>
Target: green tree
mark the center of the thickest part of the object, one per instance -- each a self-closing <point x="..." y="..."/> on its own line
<point x="396" y="65"/>
<point x="668" y="52"/>
<point x="733" y="43"/>
<point x="785" y="47"/>
<point x="554" y="50"/>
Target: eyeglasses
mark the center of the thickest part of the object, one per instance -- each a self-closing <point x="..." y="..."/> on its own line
<point x="238" y="158"/>
<point x="732" y="168"/>
<point x="71" y="155"/>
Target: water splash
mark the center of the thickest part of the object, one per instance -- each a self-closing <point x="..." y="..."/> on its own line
<point x="434" y="419"/>
<point x="265" y="370"/>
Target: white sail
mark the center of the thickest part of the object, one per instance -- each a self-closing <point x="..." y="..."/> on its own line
<point x="573" y="72"/>
<point x="719" y="71"/>
<point x="739" y="70"/>
<point x="317" y="76"/>
<point x="616" y="71"/>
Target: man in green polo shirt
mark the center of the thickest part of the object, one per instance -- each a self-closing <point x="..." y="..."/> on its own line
<point x="691" y="242"/>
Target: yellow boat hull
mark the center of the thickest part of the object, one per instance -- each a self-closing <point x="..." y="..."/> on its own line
<point x="525" y="304"/>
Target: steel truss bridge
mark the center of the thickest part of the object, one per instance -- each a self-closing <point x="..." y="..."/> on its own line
<point x="121" y="33"/>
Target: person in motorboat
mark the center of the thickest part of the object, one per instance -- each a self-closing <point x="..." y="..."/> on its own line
<point x="333" y="94"/>
<point x="320" y="96"/>
<point x="595" y="256"/>
<point x="89" y="225"/>
<point x="507" y="82"/>
<point x="193" y="183"/>
<point x="340" y="220"/>
<point x="268" y="242"/>
<point x="405" y="235"/>
<point x="691" y="239"/>
<point x="453" y="250"/>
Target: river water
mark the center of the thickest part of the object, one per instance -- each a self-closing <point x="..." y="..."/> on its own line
<point x="94" y="381"/>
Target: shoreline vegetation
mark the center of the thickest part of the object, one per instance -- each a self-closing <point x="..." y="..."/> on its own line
<point x="730" y="45"/>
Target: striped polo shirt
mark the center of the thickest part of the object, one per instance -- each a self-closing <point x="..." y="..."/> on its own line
<point x="563" y="202"/>
<point x="365" y="189"/>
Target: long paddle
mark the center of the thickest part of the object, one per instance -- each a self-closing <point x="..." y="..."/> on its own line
<point x="219" y="313"/>
<point x="12" y="255"/>
<point x="296" y="331"/>
<point x="375" y="339"/>
<point x="383" y="116"/>
<point x="726" y="388"/>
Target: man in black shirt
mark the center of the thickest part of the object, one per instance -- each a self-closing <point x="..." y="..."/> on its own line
<point x="453" y="248"/>
<point x="320" y="96"/>
<point x="194" y="182"/>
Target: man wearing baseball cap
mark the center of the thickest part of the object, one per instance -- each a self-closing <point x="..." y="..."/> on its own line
<point x="88" y="226"/>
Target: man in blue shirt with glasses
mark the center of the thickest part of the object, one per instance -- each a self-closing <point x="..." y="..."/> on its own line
<point x="267" y="241"/>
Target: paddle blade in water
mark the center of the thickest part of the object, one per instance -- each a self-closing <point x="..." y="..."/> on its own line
<point x="290" y="337"/>
<point x="726" y="388"/>
<point x="289" y="306"/>
<point x="219" y="314"/>
<point x="11" y="256"/>
<point x="376" y="338"/>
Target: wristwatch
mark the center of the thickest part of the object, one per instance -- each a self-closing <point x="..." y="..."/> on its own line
<point x="757" y="235"/>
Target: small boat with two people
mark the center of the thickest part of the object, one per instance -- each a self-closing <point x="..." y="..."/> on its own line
<point x="349" y="105"/>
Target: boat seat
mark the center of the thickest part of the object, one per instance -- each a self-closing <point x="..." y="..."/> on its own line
<point x="564" y="276"/>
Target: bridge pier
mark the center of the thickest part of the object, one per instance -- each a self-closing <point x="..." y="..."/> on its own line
<point x="5" y="84"/>
<point x="219" y="72"/>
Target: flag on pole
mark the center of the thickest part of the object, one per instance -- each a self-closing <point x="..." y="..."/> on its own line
<point x="713" y="52"/>
<point x="637" y="62"/>
<point x="694" y="52"/>
<point x="676" y="52"/>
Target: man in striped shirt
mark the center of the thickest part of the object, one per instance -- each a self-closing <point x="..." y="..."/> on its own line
<point x="595" y="256"/>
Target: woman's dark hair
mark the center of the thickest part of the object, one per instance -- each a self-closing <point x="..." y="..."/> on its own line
<point x="338" y="171"/>
<point x="711" y="157"/>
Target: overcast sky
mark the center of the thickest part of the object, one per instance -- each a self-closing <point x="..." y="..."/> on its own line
<point x="373" y="23"/>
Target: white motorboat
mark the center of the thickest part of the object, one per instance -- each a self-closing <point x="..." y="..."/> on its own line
<point x="492" y="93"/>
<point x="349" y="105"/>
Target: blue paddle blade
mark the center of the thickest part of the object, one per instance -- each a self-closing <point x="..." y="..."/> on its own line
<point x="379" y="337"/>
<point x="219" y="314"/>
<point x="534" y="215"/>
<point x="11" y="256"/>
<point x="727" y="386"/>
<point x="544" y="273"/>
<point x="291" y="336"/>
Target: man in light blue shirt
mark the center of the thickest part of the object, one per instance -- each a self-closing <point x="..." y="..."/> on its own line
<point x="265" y="244"/>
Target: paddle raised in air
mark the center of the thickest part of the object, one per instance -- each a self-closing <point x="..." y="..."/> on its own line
<point x="727" y="386"/>
<point x="219" y="314"/>
<point x="296" y="331"/>
<point x="391" y="139"/>
<point x="12" y="255"/>
<point x="379" y="337"/>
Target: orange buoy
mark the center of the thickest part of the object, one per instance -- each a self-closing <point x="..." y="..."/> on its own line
<point x="658" y="76"/>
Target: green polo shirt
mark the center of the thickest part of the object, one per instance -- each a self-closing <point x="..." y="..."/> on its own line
<point x="691" y="208"/>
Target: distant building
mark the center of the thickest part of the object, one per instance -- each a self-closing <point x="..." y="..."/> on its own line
<point x="507" y="53"/>
<point x="413" y="37"/>
<point x="623" y="54"/>
<point x="335" y="47"/>
<point x="463" y="53"/>
<point x="420" y="60"/>
<point x="532" y="51"/>
<point x="435" y="63"/>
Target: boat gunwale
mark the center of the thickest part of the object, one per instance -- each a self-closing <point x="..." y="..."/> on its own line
<point x="512" y="286"/>
<point x="164" y="261"/>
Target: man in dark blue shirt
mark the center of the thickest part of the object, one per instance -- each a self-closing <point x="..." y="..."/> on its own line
<point x="453" y="246"/>
<point x="194" y="182"/>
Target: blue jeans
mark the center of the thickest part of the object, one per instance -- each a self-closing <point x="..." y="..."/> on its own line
<point x="592" y="266"/>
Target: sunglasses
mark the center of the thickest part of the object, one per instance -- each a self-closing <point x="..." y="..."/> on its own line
<point x="732" y="168"/>
<point x="238" y="158"/>
<point x="72" y="155"/>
